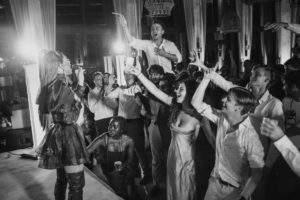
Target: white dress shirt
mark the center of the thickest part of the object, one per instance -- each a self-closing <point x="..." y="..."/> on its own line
<point x="97" y="106"/>
<point x="148" y="47"/>
<point x="236" y="152"/>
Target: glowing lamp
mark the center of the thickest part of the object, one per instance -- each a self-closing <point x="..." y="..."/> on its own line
<point x="27" y="49"/>
<point x="118" y="47"/>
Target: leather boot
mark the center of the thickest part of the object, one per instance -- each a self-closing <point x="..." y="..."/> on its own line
<point x="60" y="185"/>
<point x="76" y="183"/>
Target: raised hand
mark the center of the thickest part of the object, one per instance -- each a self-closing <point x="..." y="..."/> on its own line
<point x="80" y="75"/>
<point x="121" y="18"/>
<point x="195" y="60"/>
<point x="275" y="26"/>
<point x="135" y="70"/>
<point x="271" y="129"/>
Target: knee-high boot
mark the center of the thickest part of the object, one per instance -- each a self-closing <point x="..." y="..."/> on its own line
<point x="76" y="183"/>
<point x="60" y="185"/>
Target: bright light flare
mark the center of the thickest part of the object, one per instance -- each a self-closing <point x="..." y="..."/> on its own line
<point x="118" y="47"/>
<point x="27" y="49"/>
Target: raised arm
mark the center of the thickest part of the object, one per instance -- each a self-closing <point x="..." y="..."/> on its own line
<point x="201" y="107"/>
<point x="151" y="86"/>
<point x="124" y="25"/>
<point x="96" y="143"/>
<point x="213" y="76"/>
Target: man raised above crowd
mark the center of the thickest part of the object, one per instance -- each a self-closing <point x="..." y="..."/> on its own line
<point x="158" y="50"/>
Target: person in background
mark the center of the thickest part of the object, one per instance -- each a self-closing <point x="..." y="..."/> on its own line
<point x="156" y="73"/>
<point x="102" y="107"/>
<point x="130" y="109"/>
<point x="158" y="50"/>
<point x="116" y="157"/>
<point x="276" y="86"/>
<point x="291" y="103"/>
<point x="63" y="147"/>
<point x="239" y="153"/>
<point x="184" y="125"/>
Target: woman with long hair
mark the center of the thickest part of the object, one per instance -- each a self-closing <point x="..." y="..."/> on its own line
<point x="184" y="125"/>
<point x="63" y="146"/>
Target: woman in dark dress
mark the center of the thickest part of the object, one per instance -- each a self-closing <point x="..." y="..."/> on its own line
<point x="63" y="146"/>
<point x="115" y="152"/>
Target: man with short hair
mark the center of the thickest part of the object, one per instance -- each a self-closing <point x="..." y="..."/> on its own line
<point x="239" y="153"/>
<point x="158" y="50"/>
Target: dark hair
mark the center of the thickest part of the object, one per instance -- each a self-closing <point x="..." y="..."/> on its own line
<point x="292" y="78"/>
<point x="191" y="86"/>
<point x="122" y="122"/>
<point x="244" y="98"/>
<point x="160" y="23"/>
<point x="293" y="62"/>
<point x="156" y="69"/>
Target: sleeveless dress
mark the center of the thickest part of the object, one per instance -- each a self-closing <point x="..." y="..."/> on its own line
<point x="63" y="144"/>
<point x="181" y="183"/>
<point x="110" y="151"/>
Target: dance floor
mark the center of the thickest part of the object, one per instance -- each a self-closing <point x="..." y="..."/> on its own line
<point x="20" y="179"/>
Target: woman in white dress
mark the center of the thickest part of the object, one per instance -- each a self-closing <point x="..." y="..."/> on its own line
<point x="184" y="125"/>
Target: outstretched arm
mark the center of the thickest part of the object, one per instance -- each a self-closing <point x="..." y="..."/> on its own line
<point x="288" y="150"/>
<point x="124" y="25"/>
<point x="151" y="86"/>
<point x="295" y="28"/>
<point x="95" y="143"/>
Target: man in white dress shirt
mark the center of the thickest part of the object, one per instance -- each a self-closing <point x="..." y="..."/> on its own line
<point x="158" y="50"/>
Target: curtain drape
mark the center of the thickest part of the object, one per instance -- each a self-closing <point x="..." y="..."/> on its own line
<point x="132" y="10"/>
<point x="245" y="13"/>
<point x="35" y="20"/>
<point x="195" y="18"/>
<point x="262" y="37"/>
<point x="283" y="14"/>
<point x="295" y="19"/>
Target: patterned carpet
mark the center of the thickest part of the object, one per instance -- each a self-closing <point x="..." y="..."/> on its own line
<point x="20" y="179"/>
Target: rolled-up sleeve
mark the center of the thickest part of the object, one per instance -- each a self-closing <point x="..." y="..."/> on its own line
<point x="290" y="153"/>
<point x="139" y="44"/>
<point x="174" y="50"/>
<point x="208" y="112"/>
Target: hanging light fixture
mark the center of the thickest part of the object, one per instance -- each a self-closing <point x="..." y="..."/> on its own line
<point x="159" y="8"/>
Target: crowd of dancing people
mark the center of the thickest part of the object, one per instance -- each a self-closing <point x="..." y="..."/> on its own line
<point x="247" y="123"/>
